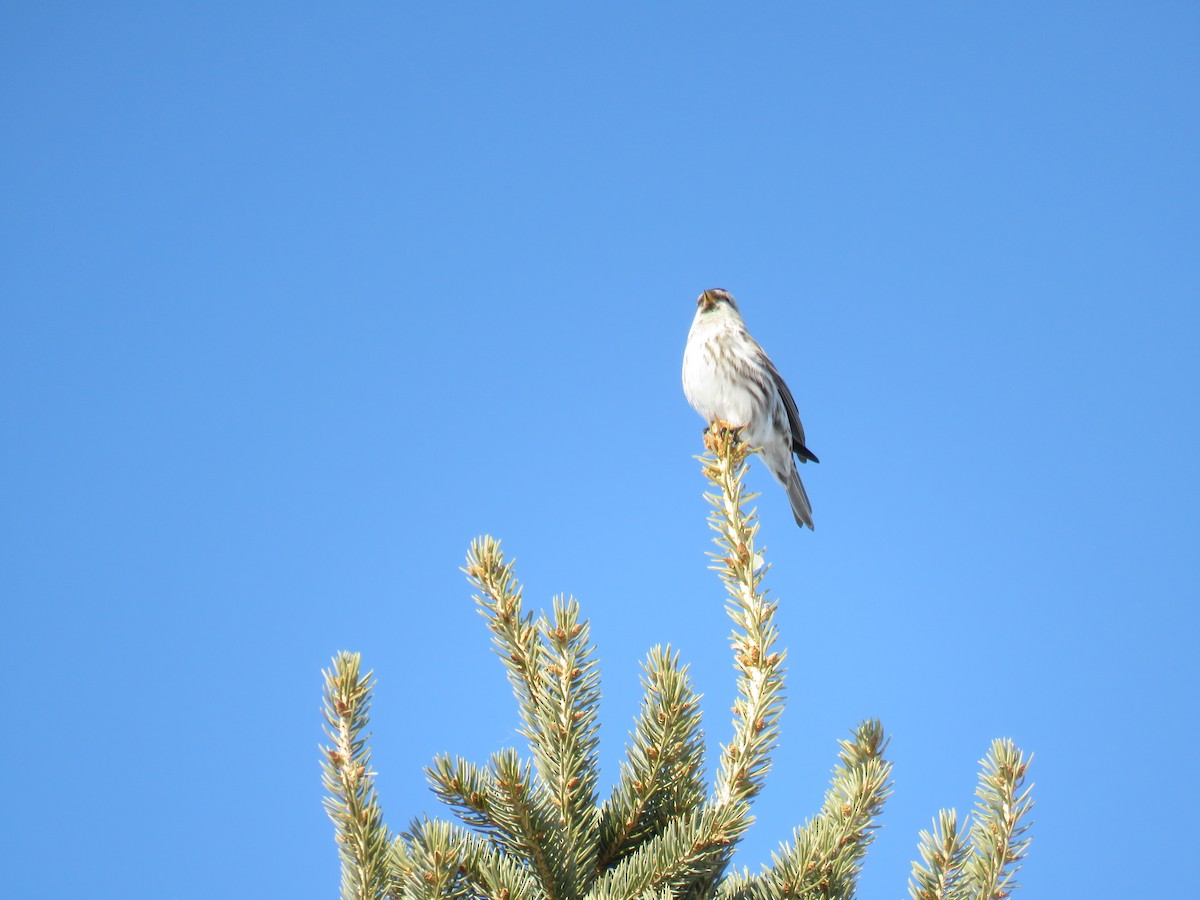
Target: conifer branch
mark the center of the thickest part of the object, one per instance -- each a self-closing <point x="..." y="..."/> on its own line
<point x="352" y="804"/>
<point x="400" y="865"/>
<point x="513" y="633"/>
<point x="534" y="830"/>
<point x="944" y="853"/>
<point x="564" y="738"/>
<point x="998" y="828"/>
<point x="525" y="823"/>
<point x="824" y="858"/>
<point x="495" y="875"/>
<point x="746" y="760"/>
<point x="446" y="861"/>
<point x="437" y="858"/>
<point x="662" y="776"/>
<point x="983" y="867"/>
<point x="682" y="860"/>
<point x="557" y="684"/>
<point x="465" y="788"/>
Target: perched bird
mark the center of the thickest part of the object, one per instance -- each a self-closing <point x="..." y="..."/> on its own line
<point x="728" y="377"/>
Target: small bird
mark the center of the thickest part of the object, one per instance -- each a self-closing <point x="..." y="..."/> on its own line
<point x="728" y="377"/>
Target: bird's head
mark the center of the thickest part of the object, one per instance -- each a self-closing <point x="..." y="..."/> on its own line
<point x="714" y="299"/>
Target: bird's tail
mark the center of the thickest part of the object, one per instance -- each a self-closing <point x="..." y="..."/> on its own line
<point x="798" y="498"/>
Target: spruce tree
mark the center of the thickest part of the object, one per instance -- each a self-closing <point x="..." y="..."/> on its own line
<point x="537" y="828"/>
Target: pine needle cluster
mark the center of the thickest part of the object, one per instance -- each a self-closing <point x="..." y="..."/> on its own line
<point x="538" y="829"/>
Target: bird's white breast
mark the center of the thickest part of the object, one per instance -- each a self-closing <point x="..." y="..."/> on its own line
<point x="707" y="381"/>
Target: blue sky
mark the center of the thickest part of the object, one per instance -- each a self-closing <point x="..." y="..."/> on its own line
<point x="295" y="300"/>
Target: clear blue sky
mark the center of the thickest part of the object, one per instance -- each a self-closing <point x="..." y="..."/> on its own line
<point x="297" y="299"/>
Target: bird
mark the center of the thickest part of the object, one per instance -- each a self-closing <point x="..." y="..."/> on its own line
<point x="728" y="377"/>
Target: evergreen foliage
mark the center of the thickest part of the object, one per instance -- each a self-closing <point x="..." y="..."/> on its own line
<point x="537" y="830"/>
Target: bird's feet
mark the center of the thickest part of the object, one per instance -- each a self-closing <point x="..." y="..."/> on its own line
<point x="719" y="426"/>
<point x="718" y="432"/>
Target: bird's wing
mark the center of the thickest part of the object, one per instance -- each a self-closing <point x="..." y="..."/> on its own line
<point x="793" y="414"/>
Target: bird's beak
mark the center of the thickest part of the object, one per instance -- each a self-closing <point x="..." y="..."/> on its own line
<point x="707" y="301"/>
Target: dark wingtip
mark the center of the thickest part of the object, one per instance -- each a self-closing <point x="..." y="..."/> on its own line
<point x="805" y="454"/>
